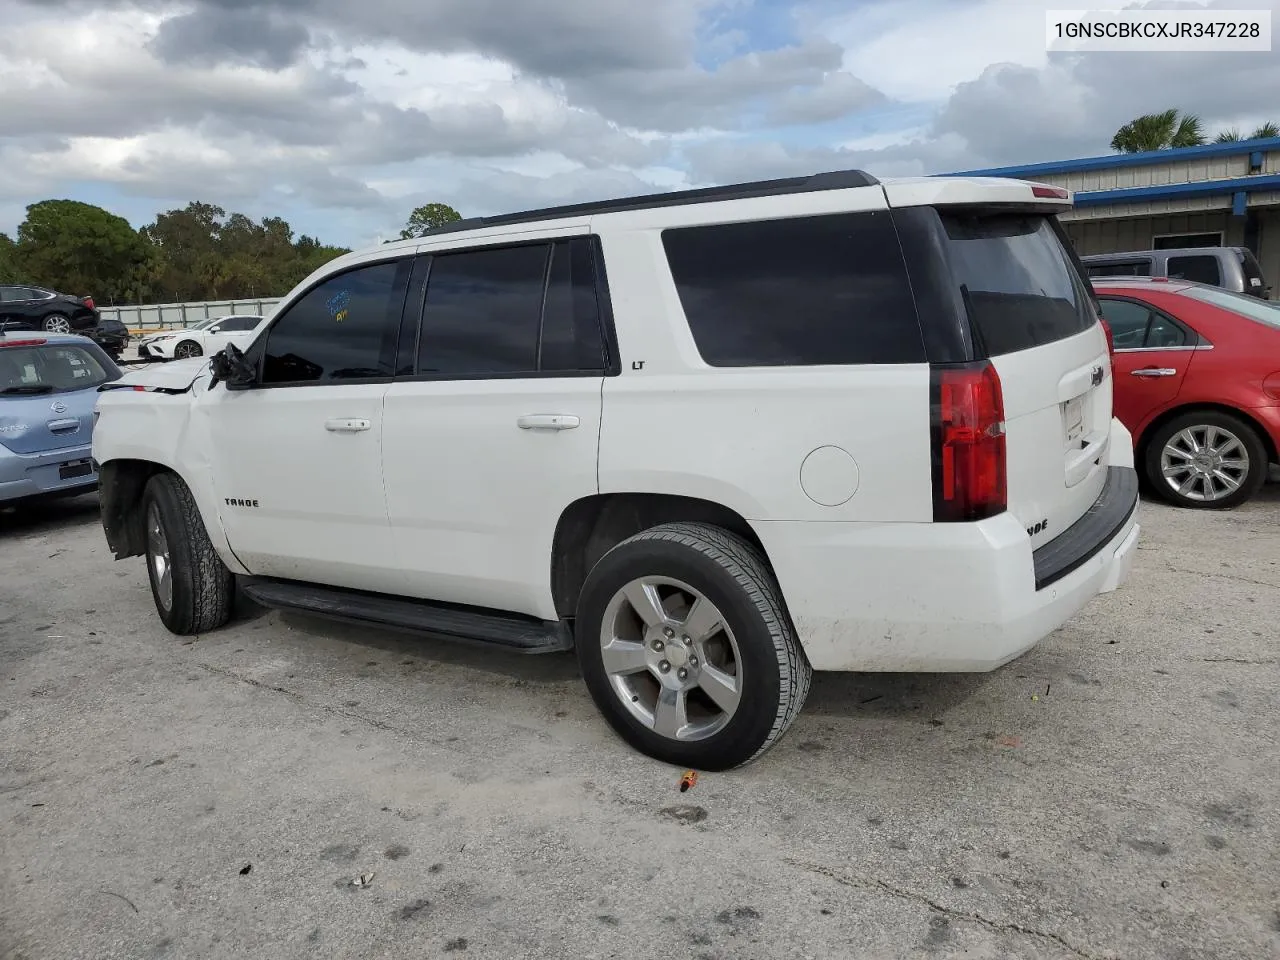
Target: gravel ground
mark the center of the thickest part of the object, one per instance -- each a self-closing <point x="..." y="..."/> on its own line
<point x="1111" y="794"/>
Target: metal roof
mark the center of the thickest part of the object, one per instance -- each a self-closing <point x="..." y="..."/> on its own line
<point x="1147" y="158"/>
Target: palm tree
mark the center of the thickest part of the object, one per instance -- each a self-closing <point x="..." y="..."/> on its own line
<point x="1158" y="131"/>
<point x="1266" y="130"/>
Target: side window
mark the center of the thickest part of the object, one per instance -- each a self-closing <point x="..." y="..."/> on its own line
<point x="1201" y="269"/>
<point x="1163" y="332"/>
<point x="8" y="294"/>
<point x="343" y="329"/>
<point x="1128" y="321"/>
<point x="800" y="291"/>
<point x="571" y="330"/>
<point x="482" y="311"/>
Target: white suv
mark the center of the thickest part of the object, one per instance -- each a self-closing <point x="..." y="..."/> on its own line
<point x="714" y="440"/>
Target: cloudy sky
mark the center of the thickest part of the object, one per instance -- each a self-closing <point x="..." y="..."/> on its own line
<point x="342" y="115"/>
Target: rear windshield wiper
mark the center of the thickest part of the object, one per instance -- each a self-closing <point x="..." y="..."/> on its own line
<point x="32" y="388"/>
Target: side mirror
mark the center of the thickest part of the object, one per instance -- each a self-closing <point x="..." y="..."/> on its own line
<point x="230" y="367"/>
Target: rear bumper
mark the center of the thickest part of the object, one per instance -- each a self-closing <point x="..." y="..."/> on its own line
<point x="40" y="474"/>
<point x="937" y="597"/>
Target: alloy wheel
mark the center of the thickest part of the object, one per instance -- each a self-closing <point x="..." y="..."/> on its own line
<point x="158" y="557"/>
<point x="1204" y="463"/>
<point x="671" y="658"/>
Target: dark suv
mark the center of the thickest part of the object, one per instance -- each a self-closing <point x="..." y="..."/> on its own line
<point x="37" y="308"/>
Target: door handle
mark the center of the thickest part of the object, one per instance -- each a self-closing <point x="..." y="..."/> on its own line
<point x="547" y="421"/>
<point x="1155" y="372"/>
<point x="346" y="425"/>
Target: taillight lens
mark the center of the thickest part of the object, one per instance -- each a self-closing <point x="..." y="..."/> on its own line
<point x="969" y="456"/>
<point x="88" y="302"/>
<point x="1106" y="328"/>
<point x="29" y="342"/>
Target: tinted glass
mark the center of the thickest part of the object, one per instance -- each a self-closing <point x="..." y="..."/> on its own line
<point x="8" y="294"/>
<point x="1127" y="268"/>
<point x="571" y="329"/>
<point x="1199" y="269"/>
<point x="1163" y="332"/>
<point x="50" y="368"/>
<point x="344" y="329"/>
<point x="482" y="311"/>
<point x="238" y="324"/>
<point x="1262" y="311"/>
<point x="1253" y="278"/>
<point x="1128" y="321"/>
<point x="803" y="291"/>
<point x="1017" y="281"/>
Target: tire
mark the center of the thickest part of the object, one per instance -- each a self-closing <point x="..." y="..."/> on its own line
<point x="189" y="349"/>
<point x="770" y="672"/>
<point x="1236" y="442"/>
<point x="57" y="323"/>
<point x="201" y="588"/>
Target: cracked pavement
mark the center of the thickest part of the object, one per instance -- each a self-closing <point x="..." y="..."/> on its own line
<point x="1112" y="794"/>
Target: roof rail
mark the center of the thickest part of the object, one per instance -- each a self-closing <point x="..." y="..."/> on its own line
<point x="833" y="180"/>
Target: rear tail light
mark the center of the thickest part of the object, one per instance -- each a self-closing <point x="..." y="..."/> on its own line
<point x="1106" y="328"/>
<point x="969" y="456"/>
<point x="1049" y="193"/>
<point x="88" y="302"/>
<point x="33" y="342"/>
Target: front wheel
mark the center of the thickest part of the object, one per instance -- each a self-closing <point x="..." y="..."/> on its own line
<point x="187" y="349"/>
<point x="192" y="588"/>
<point x="687" y="648"/>
<point x="1206" y="459"/>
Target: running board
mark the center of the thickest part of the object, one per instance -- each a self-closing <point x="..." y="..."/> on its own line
<point x="476" y="625"/>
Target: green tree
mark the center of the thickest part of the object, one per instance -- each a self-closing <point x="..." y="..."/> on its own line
<point x="10" y="272"/>
<point x="429" y="216"/>
<point x="78" y="248"/>
<point x="1158" y="131"/>
<point x="1263" y="131"/>
<point x="208" y="255"/>
<point x="187" y="241"/>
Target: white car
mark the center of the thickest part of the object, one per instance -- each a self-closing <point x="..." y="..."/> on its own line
<point x="201" y="339"/>
<point x="712" y="440"/>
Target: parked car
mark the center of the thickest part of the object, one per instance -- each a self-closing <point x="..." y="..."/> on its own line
<point x="48" y="387"/>
<point x="37" y="308"/>
<point x="201" y="339"/>
<point x="111" y="335"/>
<point x="714" y="440"/>
<point x="1231" y="268"/>
<point x="1197" y="374"/>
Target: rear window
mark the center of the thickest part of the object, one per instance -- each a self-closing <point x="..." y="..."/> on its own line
<point x="802" y="291"/>
<point x="1119" y="268"/>
<point x="49" y="368"/>
<point x="1018" y="283"/>
<point x="1253" y="278"/>
<point x="1262" y="311"/>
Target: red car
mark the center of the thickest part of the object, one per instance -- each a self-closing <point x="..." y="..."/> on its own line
<point x="1197" y="383"/>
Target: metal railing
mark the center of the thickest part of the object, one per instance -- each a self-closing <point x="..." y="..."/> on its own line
<point x="168" y="316"/>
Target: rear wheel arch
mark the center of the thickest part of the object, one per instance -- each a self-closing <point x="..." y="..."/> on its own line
<point x="1158" y="421"/>
<point x="589" y="528"/>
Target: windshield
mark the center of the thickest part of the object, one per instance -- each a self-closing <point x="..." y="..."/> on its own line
<point x="1262" y="311"/>
<point x="1017" y="280"/>
<point x="48" y="368"/>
